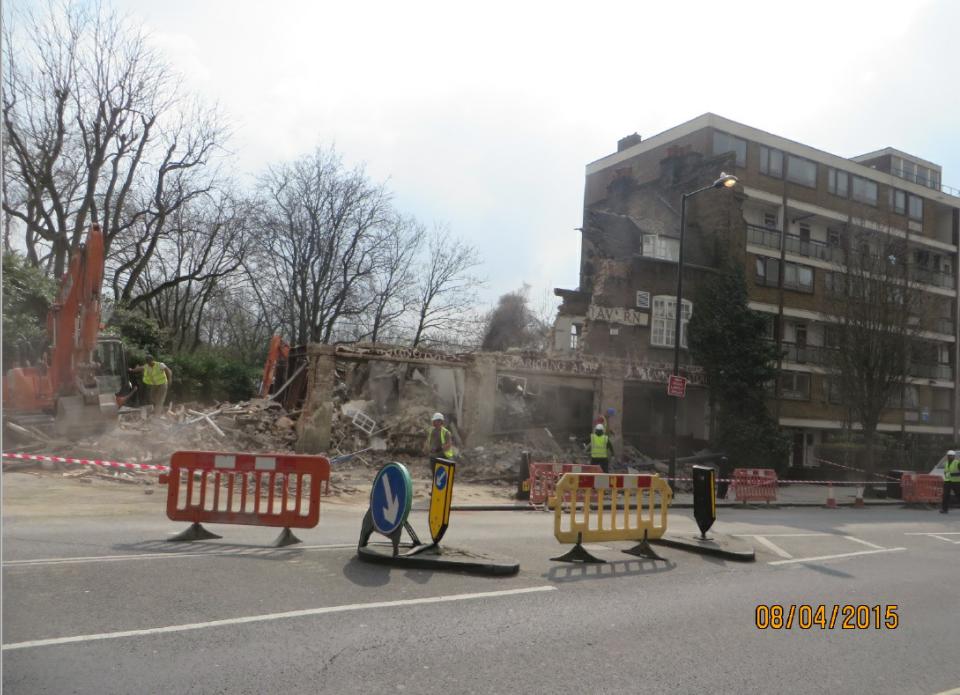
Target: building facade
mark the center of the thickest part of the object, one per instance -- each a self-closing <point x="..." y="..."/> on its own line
<point x="796" y="207"/>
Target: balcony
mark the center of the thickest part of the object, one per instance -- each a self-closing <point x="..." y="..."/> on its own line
<point x="770" y="238"/>
<point x="931" y="371"/>
<point x="934" y="277"/>
<point x="942" y="418"/>
<point x="806" y="354"/>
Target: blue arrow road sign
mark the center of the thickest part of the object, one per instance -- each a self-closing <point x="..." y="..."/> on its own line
<point x="440" y="479"/>
<point x="390" y="498"/>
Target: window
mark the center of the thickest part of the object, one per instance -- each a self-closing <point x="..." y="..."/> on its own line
<point x="802" y="171"/>
<point x="837" y="182"/>
<point x="770" y="220"/>
<point x="724" y="142"/>
<point x="664" y="248"/>
<point x="916" y="208"/>
<point x="898" y="201"/>
<point x="771" y="162"/>
<point x="833" y="237"/>
<point x="804" y="231"/>
<point x="795" y="386"/>
<point x="832" y="389"/>
<point x="574" y="336"/>
<point x="795" y="277"/>
<point x="663" y="323"/>
<point x="865" y="191"/>
<point x="643" y="299"/>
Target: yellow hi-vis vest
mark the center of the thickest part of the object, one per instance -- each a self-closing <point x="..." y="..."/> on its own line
<point x="951" y="471"/>
<point x="446" y="443"/>
<point x="598" y="446"/>
<point x="155" y="375"/>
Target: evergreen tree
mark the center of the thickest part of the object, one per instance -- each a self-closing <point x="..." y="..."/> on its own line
<point x="726" y="338"/>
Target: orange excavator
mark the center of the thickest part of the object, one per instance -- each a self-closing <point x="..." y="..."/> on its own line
<point x="277" y="355"/>
<point x="81" y="378"/>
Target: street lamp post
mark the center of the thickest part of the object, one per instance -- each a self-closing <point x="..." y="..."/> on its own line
<point x="725" y="181"/>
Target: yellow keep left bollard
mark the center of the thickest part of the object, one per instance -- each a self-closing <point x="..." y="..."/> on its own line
<point x="606" y="507"/>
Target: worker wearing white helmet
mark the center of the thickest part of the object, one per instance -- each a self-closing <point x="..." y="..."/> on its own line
<point x="600" y="447"/>
<point x="951" y="480"/>
<point x="440" y="439"/>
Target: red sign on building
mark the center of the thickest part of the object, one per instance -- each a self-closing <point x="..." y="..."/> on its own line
<point x="677" y="386"/>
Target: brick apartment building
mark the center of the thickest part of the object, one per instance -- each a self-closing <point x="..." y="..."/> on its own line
<point x="624" y="305"/>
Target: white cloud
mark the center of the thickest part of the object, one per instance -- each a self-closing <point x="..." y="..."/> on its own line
<point x="484" y="115"/>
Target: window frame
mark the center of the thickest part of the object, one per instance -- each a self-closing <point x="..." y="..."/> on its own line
<point x="791" y="169"/>
<point x="717" y="150"/>
<point x="910" y="212"/>
<point x="868" y="182"/>
<point x="663" y="321"/>
<point x="765" y="159"/>
<point x="833" y="177"/>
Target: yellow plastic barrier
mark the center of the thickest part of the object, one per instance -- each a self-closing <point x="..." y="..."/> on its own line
<point x="609" y="508"/>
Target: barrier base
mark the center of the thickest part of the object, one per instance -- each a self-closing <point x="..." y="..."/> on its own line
<point x="644" y="549"/>
<point x="578" y="554"/>
<point x="721" y="546"/>
<point x="433" y="557"/>
<point x="285" y="538"/>
<point x="196" y="532"/>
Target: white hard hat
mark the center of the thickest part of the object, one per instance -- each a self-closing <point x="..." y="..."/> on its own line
<point x="436" y="416"/>
<point x="951" y="453"/>
<point x="599" y="427"/>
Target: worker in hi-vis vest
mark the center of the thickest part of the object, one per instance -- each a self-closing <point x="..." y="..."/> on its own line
<point x="440" y="440"/>
<point x="600" y="448"/>
<point x="951" y="480"/>
<point x="156" y="378"/>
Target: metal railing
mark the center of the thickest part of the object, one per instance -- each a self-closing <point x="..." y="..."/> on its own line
<point x="930" y="371"/>
<point x="931" y="183"/>
<point x="929" y="276"/>
<point x="943" y="418"/>
<point x="770" y="238"/>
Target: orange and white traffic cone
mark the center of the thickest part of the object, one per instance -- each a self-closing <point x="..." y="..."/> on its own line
<point x="831" y="500"/>
<point x="858" y="500"/>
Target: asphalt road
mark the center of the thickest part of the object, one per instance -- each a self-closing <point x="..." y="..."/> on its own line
<point x="104" y="605"/>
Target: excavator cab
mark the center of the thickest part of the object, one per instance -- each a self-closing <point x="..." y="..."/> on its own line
<point x="101" y="388"/>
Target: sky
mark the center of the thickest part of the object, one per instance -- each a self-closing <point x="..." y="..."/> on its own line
<point x="483" y="115"/>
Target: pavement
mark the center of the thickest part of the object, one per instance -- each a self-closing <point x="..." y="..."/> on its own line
<point x="96" y="601"/>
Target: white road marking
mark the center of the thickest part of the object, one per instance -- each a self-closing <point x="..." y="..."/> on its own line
<point x="933" y="533"/>
<point x="866" y="543"/>
<point x="169" y="555"/>
<point x="832" y="557"/>
<point x="770" y="545"/>
<point x="939" y="535"/>
<point x="780" y="535"/>
<point x="275" y="616"/>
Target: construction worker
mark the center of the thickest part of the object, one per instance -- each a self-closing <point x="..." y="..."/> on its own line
<point x="951" y="480"/>
<point x="440" y="440"/>
<point x="600" y="448"/>
<point x="156" y="378"/>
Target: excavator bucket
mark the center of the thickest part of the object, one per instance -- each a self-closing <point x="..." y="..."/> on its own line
<point x="77" y="417"/>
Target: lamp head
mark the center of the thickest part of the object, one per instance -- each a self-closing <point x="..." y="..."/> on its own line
<point x="725" y="181"/>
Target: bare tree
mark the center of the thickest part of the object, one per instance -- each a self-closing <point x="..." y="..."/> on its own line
<point x="97" y="132"/>
<point x="197" y="260"/>
<point x="320" y="239"/>
<point x="446" y="294"/>
<point x="513" y="324"/>
<point x="392" y="285"/>
<point x="879" y="316"/>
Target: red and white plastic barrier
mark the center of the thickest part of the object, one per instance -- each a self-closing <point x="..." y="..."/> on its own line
<point x="921" y="489"/>
<point x="755" y="485"/>
<point x="544" y="477"/>
<point x="249" y="479"/>
<point x="86" y="462"/>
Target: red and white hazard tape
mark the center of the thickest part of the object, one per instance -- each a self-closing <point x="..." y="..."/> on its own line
<point x="86" y="462"/>
<point x="771" y="480"/>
